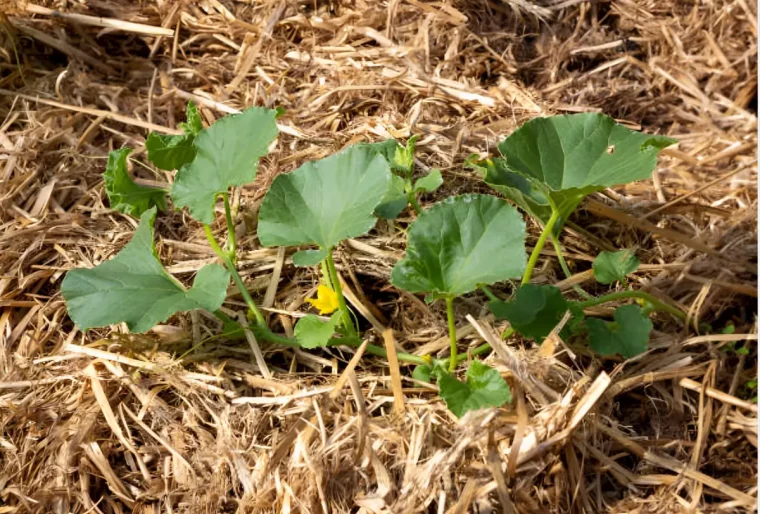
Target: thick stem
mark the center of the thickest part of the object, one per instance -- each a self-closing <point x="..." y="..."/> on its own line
<point x="347" y="321"/>
<point x="452" y="332"/>
<point x="539" y="246"/>
<point x="231" y="241"/>
<point x="621" y="295"/>
<point x="566" y="269"/>
<point x="235" y="276"/>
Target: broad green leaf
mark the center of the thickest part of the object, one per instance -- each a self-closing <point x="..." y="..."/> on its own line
<point x="429" y="182"/>
<point x="610" y="267"/>
<point x="312" y="332"/>
<point x="134" y="287"/>
<point x="422" y="373"/>
<point x="534" y="312"/>
<point x="394" y="201"/>
<point x="227" y="154"/>
<point x="309" y="257"/>
<point x="460" y="243"/>
<point x="484" y="388"/>
<point x="570" y="156"/>
<point x="324" y="202"/>
<point x="515" y="187"/>
<point x="123" y="194"/>
<point x="172" y="152"/>
<point x="628" y="335"/>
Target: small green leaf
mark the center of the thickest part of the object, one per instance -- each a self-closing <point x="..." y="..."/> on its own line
<point x="610" y="267"/>
<point x="628" y="335"/>
<point x="429" y="182"/>
<point x="309" y="257"/>
<point x="570" y="156"/>
<point x="394" y="201"/>
<point x="123" y="194"/>
<point x="170" y="152"/>
<point x="387" y="149"/>
<point x="312" y="332"/>
<point x="324" y="202"/>
<point x="134" y="287"/>
<point x="422" y="373"/>
<point x="227" y="154"/>
<point x="460" y="243"/>
<point x="534" y="312"/>
<point x="403" y="159"/>
<point x="484" y="388"/>
<point x="194" y="123"/>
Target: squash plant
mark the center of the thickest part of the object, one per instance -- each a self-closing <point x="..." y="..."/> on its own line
<point x="454" y="247"/>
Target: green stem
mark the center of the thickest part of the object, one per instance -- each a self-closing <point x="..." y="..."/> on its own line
<point x="266" y="334"/>
<point x="539" y="246"/>
<point x="566" y="269"/>
<point x="489" y="294"/>
<point x="232" y="250"/>
<point x="452" y="332"/>
<point x="415" y="204"/>
<point x="347" y="321"/>
<point x="621" y="295"/>
<point x="235" y="276"/>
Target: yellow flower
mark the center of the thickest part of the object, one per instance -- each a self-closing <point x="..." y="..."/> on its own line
<point x="326" y="300"/>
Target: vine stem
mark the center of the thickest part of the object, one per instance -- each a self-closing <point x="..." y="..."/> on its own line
<point x="232" y="250"/>
<point x="565" y="269"/>
<point x="620" y="295"/>
<point x="347" y="321"/>
<point x="260" y="320"/>
<point x="266" y="334"/>
<point x="452" y="332"/>
<point x="539" y="246"/>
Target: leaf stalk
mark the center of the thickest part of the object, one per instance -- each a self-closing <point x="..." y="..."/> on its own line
<point x="346" y="315"/>
<point x="452" y="332"/>
<point x="539" y="246"/>
<point x="231" y="240"/>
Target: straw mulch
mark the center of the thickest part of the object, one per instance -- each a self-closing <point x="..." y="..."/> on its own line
<point x="170" y="422"/>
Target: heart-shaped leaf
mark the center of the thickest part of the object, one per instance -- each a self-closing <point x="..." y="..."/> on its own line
<point x="628" y="335"/>
<point x="324" y="202"/>
<point x="169" y="152"/>
<point x="460" y="243"/>
<point x="227" y="154"/>
<point x="312" y="332"/>
<point x="429" y="182"/>
<point x="534" y="312"/>
<point x="610" y="267"/>
<point x="134" y="287"/>
<point x="123" y="194"/>
<point x="568" y="157"/>
<point x="484" y="388"/>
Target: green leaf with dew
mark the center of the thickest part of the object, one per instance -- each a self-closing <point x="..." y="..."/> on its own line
<point x="460" y="243"/>
<point x="123" y="193"/>
<point x="535" y="311"/>
<point x="628" y="335"/>
<point x="483" y="388"/>
<point x="227" y="154"/>
<point x="312" y="331"/>
<point x="611" y="267"/>
<point x="324" y="202"/>
<point x="134" y="287"/>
